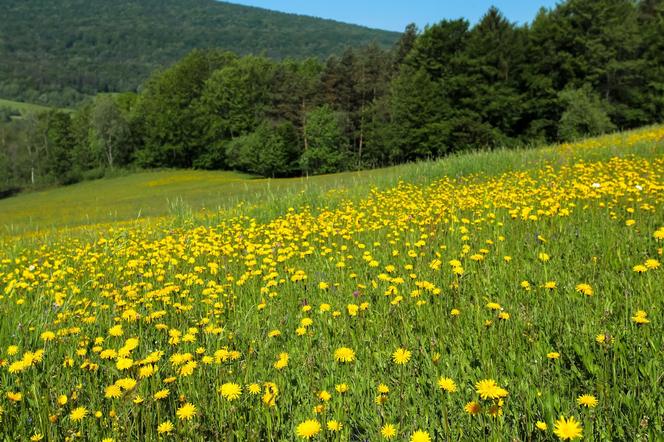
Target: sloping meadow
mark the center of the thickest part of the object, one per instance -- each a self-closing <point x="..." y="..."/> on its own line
<point x="519" y="305"/>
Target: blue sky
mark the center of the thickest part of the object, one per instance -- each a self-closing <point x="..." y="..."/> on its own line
<point x="394" y="15"/>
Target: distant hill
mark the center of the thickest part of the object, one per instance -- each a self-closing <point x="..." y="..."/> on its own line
<point x="57" y="51"/>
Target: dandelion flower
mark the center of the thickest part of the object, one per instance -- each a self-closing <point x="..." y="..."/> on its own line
<point x="334" y="425"/>
<point x="567" y="429"/>
<point x="186" y="412"/>
<point x="165" y="427"/>
<point x="541" y="425"/>
<point x="344" y="354"/>
<point x="78" y="414"/>
<point x="230" y="391"/>
<point x="472" y="408"/>
<point x="447" y="384"/>
<point x="308" y="429"/>
<point x="420" y="436"/>
<point x="388" y="431"/>
<point x="587" y="400"/>
<point x="401" y="356"/>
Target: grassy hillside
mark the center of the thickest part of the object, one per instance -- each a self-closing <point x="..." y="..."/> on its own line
<point x="85" y="47"/>
<point x="177" y="192"/>
<point x="508" y="295"/>
<point x="22" y="107"/>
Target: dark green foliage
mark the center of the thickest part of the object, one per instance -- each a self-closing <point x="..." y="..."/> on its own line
<point x="59" y="51"/>
<point x="326" y="151"/>
<point x="584" y="114"/>
<point x="582" y="68"/>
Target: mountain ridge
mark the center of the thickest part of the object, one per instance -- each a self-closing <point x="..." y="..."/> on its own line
<point x="82" y="47"/>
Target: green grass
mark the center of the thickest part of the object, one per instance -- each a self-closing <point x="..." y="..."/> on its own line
<point x="24" y="107"/>
<point x="165" y="193"/>
<point x="380" y="270"/>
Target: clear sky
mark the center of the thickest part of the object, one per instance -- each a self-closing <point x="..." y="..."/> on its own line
<point x="394" y="15"/>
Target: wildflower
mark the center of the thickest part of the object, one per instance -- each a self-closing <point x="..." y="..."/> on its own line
<point x="344" y="354"/>
<point x="161" y="394"/>
<point x="567" y="428"/>
<point x="324" y="396"/>
<point x="341" y="388"/>
<point x="308" y="429"/>
<point x="254" y="389"/>
<point x="36" y="437"/>
<point x="587" y="400"/>
<point x="652" y="264"/>
<point x="420" y="436"/>
<point x="112" y="392"/>
<point x="640" y="318"/>
<point x="488" y="389"/>
<point x="230" y="391"/>
<point x="388" y="431"/>
<point x="165" y="427"/>
<point x="455" y="312"/>
<point x="78" y="414"/>
<point x="472" y="408"/>
<point x="333" y="425"/>
<point x="640" y="268"/>
<point x="14" y="397"/>
<point x="584" y="289"/>
<point x="553" y="355"/>
<point x="62" y="399"/>
<point x="401" y="356"/>
<point x="186" y="412"/>
<point x="447" y="384"/>
<point x="47" y="336"/>
<point x="541" y="425"/>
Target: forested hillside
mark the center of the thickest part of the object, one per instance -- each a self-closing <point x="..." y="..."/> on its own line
<point x="583" y="68"/>
<point x="58" y="51"/>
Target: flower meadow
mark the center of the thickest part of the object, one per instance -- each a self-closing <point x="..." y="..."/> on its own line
<point x="524" y="305"/>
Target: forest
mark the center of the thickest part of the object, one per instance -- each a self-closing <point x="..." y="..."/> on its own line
<point x="582" y="68"/>
<point x="84" y="47"/>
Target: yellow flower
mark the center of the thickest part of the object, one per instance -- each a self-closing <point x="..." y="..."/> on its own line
<point x="334" y="425"/>
<point x="308" y="429"/>
<point x="388" y="431"/>
<point x="230" y="391"/>
<point x="420" y="436"/>
<point x="652" y="264"/>
<point x="567" y="428"/>
<point x="344" y="354"/>
<point x="640" y="268"/>
<point x="341" y="388"/>
<point x="587" y="400"/>
<point x="47" y="336"/>
<point x="62" y="399"/>
<point x="186" y="412"/>
<point x="488" y="389"/>
<point x="112" y="392"/>
<point x="455" y="312"/>
<point x="78" y="414"/>
<point x="324" y="396"/>
<point x="472" y="408"/>
<point x="640" y="318"/>
<point x="14" y="397"/>
<point x="165" y="427"/>
<point x="553" y="355"/>
<point x="401" y="356"/>
<point x="116" y="331"/>
<point x="383" y="389"/>
<point x="254" y="389"/>
<point x="161" y="394"/>
<point x="37" y="437"/>
<point x="541" y="425"/>
<point x="585" y="289"/>
<point x="447" y="384"/>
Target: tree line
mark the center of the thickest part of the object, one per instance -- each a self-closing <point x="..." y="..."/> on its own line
<point x="582" y="68"/>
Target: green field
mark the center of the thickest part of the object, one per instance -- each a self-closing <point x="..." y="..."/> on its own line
<point x="490" y="296"/>
<point x="175" y="192"/>
<point x="23" y="107"/>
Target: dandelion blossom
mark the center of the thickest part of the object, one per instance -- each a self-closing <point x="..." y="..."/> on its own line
<point x="388" y="431"/>
<point x="587" y="400"/>
<point x="186" y="412"/>
<point x="401" y="356"/>
<point x="78" y="414"/>
<point x="308" y="429"/>
<point x="447" y="384"/>
<point x="420" y="436"/>
<point x="344" y="354"/>
<point x="165" y="427"/>
<point x="567" y="428"/>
